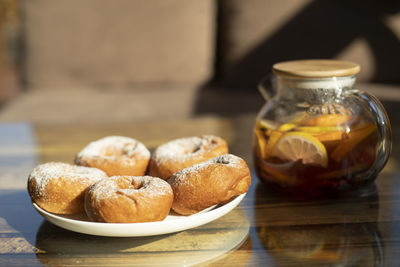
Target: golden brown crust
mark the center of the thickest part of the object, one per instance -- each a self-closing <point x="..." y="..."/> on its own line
<point x="211" y="182"/>
<point x="128" y="199"/>
<point x="59" y="187"/>
<point x="115" y="155"/>
<point x="181" y="153"/>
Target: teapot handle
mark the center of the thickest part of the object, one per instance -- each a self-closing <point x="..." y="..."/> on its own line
<point x="383" y="126"/>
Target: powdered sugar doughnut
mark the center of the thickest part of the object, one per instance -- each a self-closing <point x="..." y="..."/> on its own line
<point x="128" y="199"/>
<point x="115" y="155"/>
<point x="208" y="183"/>
<point x="60" y="188"/>
<point x="184" y="152"/>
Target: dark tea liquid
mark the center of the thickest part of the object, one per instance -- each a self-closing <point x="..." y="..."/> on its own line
<point x="330" y="152"/>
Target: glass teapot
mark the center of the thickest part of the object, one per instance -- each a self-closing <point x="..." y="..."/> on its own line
<point x="316" y="134"/>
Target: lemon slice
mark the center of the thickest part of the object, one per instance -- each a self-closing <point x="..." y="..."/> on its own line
<point x="286" y="127"/>
<point x="295" y="146"/>
<point x="319" y="129"/>
<point x="267" y="124"/>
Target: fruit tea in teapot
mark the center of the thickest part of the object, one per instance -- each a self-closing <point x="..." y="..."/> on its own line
<point x="318" y="134"/>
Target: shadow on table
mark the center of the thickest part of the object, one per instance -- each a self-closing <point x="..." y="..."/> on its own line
<point x="340" y="231"/>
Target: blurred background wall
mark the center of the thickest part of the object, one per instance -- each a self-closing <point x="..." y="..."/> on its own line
<point x="117" y="43"/>
<point x="181" y="57"/>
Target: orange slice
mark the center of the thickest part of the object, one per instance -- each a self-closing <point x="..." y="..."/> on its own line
<point x="329" y="136"/>
<point x="328" y="120"/>
<point x="273" y="139"/>
<point x="295" y="146"/>
<point x="354" y="138"/>
<point x="330" y="139"/>
<point x="319" y="129"/>
<point x="260" y="142"/>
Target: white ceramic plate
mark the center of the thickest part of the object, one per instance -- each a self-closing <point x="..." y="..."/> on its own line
<point x="171" y="224"/>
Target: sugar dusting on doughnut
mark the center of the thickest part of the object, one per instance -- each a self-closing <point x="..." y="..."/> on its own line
<point x="208" y="183"/>
<point x="124" y="199"/>
<point x="116" y="155"/>
<point x="54" y="170"/>
<point x="227" y="159"/>
<point x="114" y="146"/>
<point x="184" y="152"/>
<point x="184" y="148"/>
<point x="108" y="188"/>
<point x="58" y="187"/>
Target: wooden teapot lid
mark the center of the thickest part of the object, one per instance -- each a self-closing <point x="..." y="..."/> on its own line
<point x="316" y="68"/>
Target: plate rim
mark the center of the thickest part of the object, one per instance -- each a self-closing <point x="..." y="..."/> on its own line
<point x="95" y="228"/>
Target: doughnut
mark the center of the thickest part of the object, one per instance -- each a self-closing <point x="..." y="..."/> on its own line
<point x="115" y="155"/>
<point x="181" y="153"/>
<point x="128" y="199"/>
<point x="208" y="183"/>
<point x="60" y="188"/>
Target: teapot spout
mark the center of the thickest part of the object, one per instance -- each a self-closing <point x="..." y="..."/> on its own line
<point x="267" y="87"/>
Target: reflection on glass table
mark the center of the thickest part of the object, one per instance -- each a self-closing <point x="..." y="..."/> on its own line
<point x="208" y="243"/>
<point x="341" y="236"/>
